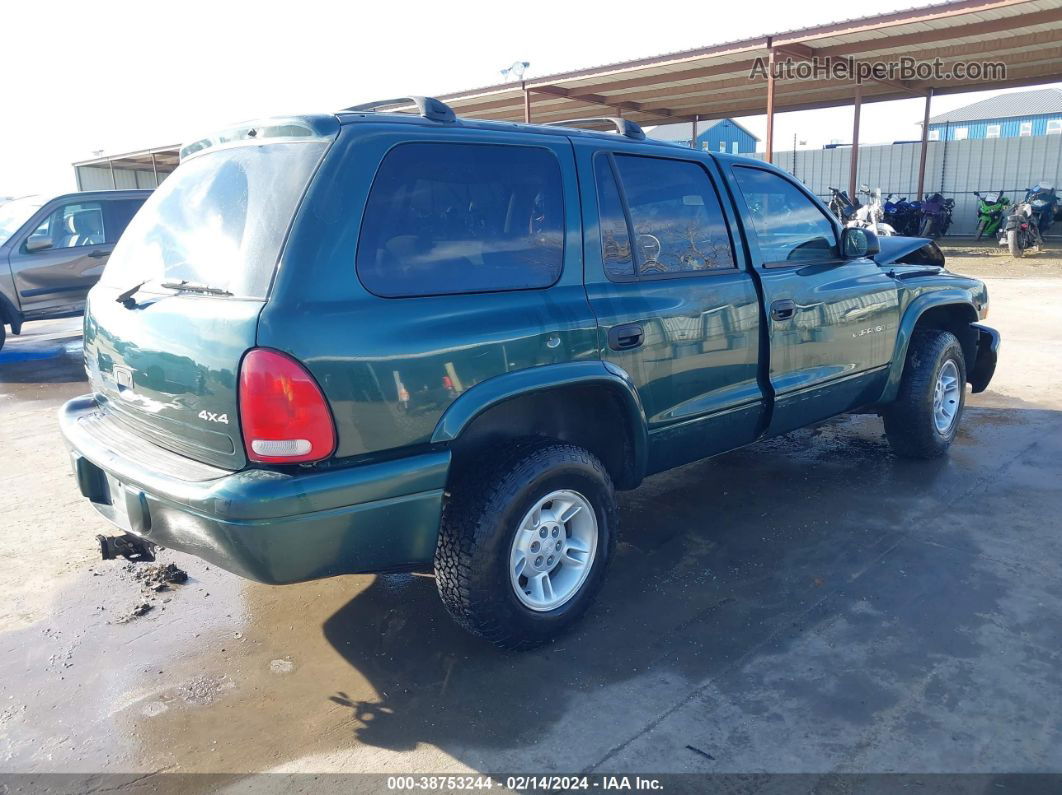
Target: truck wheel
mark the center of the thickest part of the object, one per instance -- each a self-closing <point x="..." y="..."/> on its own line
<point x="523" y="547"/>
<point x="1014" y="244"/>
<point x="925" y="417"/>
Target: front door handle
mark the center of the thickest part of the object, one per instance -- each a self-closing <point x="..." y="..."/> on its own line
<point x="625" y="337"/>
<point x="783" y="310"/>
<point x="97" y="254"/>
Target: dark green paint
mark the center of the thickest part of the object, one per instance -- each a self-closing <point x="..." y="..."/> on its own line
<point x="406" y="377"/>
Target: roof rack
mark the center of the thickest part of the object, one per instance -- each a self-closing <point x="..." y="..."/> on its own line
<point x="624" y="127"/>
<point x="428" y="107"/>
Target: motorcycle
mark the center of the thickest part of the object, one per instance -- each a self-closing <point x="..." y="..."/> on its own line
<point x="902" y="215"/>
<point x="936" y="216"/>
<point x="871" y="215"/>
<point x="990" y="211"/>
<point x="841" y="205"/>
<point x="1029" y="220"/>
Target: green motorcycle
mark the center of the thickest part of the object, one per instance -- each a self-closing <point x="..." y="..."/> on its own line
<point x="991" y="209"/>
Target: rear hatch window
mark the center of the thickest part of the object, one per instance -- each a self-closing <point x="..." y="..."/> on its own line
<point x="202" y="250"/>
<point x="218" y="220"/>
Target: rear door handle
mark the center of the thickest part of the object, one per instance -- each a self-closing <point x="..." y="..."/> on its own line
<point x="783" y="310"/>
<point x="625" y="337"/>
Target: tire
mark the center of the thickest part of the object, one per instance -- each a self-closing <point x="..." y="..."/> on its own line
<point x="3" y="334"/>
<point x="980" y="229"/>
<point x="1014" y="244"/>
<point x="911" y="422"/>
<point x="926" y="228"/>
<point x="481" y="532"/>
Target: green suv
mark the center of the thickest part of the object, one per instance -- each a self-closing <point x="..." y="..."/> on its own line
<point x="378" y="341"/>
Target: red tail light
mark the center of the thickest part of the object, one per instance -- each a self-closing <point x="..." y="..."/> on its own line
<point x="283" y="413"/>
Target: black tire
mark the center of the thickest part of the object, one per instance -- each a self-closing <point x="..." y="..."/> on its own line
<point x="926" y="228"/>
<point x="1015" y="244"/>
<point x="480" y="522"/>
<point x="909" y="421"/>
<point x="980" y="229"/>
<point x="3" y="334"/>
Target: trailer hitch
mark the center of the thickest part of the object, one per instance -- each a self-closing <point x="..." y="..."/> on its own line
<point x="130" y="547"/>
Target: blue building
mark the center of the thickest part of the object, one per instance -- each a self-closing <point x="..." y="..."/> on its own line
<point x="1023" y="114"/>
<point x="717" y="135"/>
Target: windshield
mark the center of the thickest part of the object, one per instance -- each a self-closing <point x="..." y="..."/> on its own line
<point x="15" y="213"/>
<point x="218" y="220"/>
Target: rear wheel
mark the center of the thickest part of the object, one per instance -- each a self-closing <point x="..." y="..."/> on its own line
<point x="924" y="419"/>
<point x="1015" y="243"/>
<point x="523" y="546"/>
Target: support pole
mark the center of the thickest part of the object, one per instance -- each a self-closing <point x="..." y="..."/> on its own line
<point x="925" y="147"/>
<point x="155" y="169"/>
<point x="770" y="99"/>
<point x="854" y="167"/>
<point x="114" y="180"/>
<point x="693" y="140"/>
<point x="527" y="106"/>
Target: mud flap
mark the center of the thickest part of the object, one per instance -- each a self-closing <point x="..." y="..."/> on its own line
<point x="985" y="364"/>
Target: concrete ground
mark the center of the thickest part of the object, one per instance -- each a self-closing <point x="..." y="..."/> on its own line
<point x="806" y="604"/>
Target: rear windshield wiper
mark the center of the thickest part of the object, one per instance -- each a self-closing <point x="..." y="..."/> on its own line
<point x="195" y="287"/>
<point x="126" y="298"/>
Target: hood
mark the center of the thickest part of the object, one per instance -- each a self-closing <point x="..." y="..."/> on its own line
<point x="897" y="250"/>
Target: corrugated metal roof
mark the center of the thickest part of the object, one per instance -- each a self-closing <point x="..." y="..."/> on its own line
<point x="1005" y="106"/>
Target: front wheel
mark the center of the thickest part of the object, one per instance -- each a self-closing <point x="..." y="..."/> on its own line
<point x="3" y="334"/>
<point x="523" y="546"/>
<point x="926" y="229"/>
<point x="981" y="229"/>
<point x="1015" y="243"/>
<point x="924" y="419"/>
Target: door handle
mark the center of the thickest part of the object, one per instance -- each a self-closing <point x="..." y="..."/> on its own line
<point x="783" y="310"/>
<point x="625" y="337"/>
<point x="97" y="254"/>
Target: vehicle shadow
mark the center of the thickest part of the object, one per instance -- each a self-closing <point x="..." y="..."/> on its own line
<point x="724" y="565"/>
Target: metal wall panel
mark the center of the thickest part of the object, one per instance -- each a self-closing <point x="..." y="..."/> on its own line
<point x="954" y="168"/>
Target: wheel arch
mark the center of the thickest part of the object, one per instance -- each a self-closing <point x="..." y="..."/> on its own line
<point x="592" y="404"/>
<point x="10" y="314"/>
<point x="947" y="310"/>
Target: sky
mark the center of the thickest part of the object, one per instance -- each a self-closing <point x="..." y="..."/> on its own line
<point x="118" y="76"/>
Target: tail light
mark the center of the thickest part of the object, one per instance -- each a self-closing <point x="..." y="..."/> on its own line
<point x="1024" y="226"/>
<point x="283" y="413"/>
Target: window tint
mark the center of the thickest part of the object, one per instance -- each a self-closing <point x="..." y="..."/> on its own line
<point x="678" y="224"/>
<point x="459" y="218"/>
<point x="73" y="225"/>
<point x="789" y="226"/>
<point x="615" y="239"/>
<point x="219" y="219"/>
<point x="118" y="213"/>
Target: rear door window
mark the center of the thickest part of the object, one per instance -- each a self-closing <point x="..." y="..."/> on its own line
<point x="118" y="213"/>
<point x="789" y="226"/>
<point x="672" y="215"/>
<point x="461" y="218"/>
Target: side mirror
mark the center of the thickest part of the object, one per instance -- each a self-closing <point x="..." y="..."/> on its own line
<point x="38" y="243"/>
<point x="858" y="242"/>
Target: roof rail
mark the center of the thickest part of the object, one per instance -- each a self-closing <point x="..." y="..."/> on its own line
<point x="428" y="107"/>
<point x="624" y="127"/>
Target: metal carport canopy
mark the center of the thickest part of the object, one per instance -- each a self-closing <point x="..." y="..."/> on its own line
<point x="714" y="82"/>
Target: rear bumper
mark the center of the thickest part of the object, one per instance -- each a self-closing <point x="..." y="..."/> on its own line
<point x="269" y="526"/>
<point x="987" y="353"/>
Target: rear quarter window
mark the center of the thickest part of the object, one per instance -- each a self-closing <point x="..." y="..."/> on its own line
<point x="446" y="218"/>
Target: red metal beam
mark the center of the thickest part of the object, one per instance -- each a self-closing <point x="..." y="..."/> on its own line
<point x="925" y="146"/>
<point x="770" y="101"/>
<point x="854" y="167"/>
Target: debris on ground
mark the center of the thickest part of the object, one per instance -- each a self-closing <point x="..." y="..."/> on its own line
<point x="138" y="610"/>
<point x="160" y="576"/>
